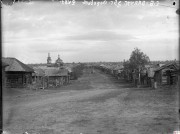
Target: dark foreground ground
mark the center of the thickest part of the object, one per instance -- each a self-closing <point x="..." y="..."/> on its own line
<point x="94" y="104"/>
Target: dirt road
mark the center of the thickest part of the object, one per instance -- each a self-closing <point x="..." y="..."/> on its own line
<point x="94" y="104"/>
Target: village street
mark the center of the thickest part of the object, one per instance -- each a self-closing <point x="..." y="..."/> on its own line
<point x="96" y="103"/>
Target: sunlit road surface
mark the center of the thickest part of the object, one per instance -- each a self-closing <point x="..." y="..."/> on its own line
<point x="94" y="104"/>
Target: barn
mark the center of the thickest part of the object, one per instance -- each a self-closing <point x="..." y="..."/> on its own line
<point x="17" y="74"/>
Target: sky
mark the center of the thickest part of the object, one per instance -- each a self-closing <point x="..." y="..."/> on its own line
<point x="85" y="33"/>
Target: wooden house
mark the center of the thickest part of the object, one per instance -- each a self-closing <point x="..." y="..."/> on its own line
<point x="167" y="74"/>
<point x="17" y="74"/>
<point x="117" y="71"/>
<point x="56" y="77"/>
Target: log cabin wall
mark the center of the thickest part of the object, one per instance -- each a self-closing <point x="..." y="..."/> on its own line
<point x="56" y="81"/>
<point x="18" y="79"/>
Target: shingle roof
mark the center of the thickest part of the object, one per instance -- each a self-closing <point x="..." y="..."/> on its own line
<point x="16" y="65"/>
<point x="55" y="72"/>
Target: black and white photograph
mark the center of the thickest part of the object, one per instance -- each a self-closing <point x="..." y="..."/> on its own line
<point x="90" y="67"/>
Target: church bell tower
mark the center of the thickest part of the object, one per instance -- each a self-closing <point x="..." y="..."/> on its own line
<point x="48" y="59"/>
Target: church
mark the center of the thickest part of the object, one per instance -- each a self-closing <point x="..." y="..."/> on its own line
<point x="58" y="62"/>
<point x="51" y="74"/>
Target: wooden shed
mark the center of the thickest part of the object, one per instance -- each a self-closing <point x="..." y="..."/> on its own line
<point x="167" y="74"/>
<point x="17" y="74"/>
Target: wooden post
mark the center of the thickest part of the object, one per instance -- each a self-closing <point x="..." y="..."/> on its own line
<point x="42" y="82"/>
<point x="65" y="79"/>
<point x="139" y="81"/>
<point x="35" y="78"/>
<point x="59" y="81"/>
<point x="48" y="81"/>
<point x="160" y="74"/>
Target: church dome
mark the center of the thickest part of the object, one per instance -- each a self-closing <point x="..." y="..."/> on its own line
<point x="59" y="62"/>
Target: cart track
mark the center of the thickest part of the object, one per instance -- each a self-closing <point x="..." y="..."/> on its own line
<point x="94" y="104"/>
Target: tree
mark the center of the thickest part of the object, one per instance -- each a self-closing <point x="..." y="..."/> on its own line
<point x="138" y="59"/>
<point x="77" y="71"/>
<point x="126" y="65"/>
<point x="135" y="64"/>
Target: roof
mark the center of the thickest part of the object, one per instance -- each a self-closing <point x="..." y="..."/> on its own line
<point x="16" y="65"/>
<point x="38" y="71"/>
<point x="171" y="66"/>
<point x="4" y="64"/>
<point x="56" y="72"/>
<point x="63" y="72"/>
<point x="120" y="67"/>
